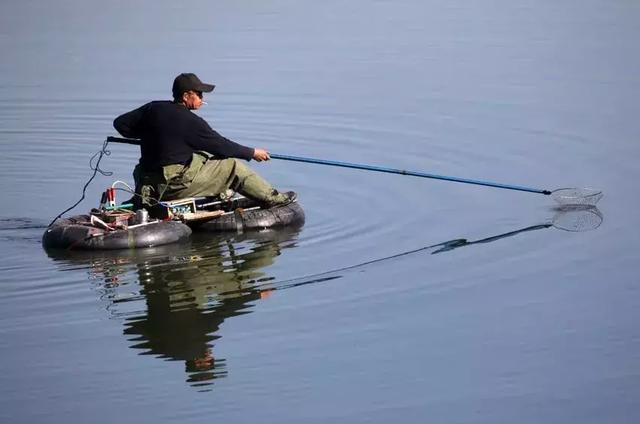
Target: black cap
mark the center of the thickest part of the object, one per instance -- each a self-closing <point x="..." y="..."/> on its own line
<point x="186" y="82"/>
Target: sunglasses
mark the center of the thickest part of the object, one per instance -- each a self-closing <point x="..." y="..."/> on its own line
<point x="197" y="93"/>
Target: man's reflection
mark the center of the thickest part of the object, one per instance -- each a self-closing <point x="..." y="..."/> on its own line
<point x="189" y="291"/>
<point x="186" y="304"/>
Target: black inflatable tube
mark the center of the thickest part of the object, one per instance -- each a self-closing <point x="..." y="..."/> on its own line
<point x="255" y="219"/>
<point x="77" y="233"/>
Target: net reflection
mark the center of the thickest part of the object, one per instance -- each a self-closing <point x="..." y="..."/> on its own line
<point x="173" y="299"/>
<point x="568" y="218"/>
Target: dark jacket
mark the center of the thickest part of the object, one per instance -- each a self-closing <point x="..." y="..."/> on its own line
<point x="170" y="133"/>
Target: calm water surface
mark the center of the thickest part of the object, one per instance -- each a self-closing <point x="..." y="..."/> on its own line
<point x="400" y="299"/>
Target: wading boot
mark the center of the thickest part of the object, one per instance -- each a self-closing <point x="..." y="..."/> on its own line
<point x="280" y="199"/>
<point x="257" y="188"/>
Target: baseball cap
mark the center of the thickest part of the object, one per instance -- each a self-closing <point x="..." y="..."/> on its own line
<point x="188" y="81"/>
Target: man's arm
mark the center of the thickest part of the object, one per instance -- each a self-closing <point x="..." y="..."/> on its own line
<point x="129" y="124"/>
<point x="210" y="141"/>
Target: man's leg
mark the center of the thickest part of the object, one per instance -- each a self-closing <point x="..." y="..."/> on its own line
<point x="217" y="175"/>
<point x="252" y="185"/>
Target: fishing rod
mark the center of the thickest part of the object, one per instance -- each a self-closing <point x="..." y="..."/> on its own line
<point x="564" y="196"/>
<point x="406" y="172"/>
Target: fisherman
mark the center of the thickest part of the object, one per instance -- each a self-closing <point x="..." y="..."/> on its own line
<point x="182" y="156"/>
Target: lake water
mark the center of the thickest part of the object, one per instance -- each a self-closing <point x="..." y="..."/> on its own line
<point x="374" y="311"/>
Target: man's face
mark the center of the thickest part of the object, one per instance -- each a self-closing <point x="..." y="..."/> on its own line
<point x="192" y="99"/>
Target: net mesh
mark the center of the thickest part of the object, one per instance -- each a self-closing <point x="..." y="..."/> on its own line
<point x="577" y="196"/>
<point x="577" y="218"/>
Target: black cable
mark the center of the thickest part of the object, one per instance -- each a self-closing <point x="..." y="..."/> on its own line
<point x="96" y="169"/>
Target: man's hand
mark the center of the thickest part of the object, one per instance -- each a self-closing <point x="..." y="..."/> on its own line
<point x="260" y="154"/>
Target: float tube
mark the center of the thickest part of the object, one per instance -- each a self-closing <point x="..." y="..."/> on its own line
<point x="240" y="214"/>
<point x="117" y="227"/>
<point x="240" y="220"/>
<point x="81" y="233"/>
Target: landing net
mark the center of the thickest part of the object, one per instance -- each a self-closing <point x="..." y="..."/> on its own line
<point x="577" y="218"/>
<point x="577" y="196"/>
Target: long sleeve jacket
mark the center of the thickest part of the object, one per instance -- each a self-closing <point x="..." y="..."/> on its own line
<point x="170" y="133"/>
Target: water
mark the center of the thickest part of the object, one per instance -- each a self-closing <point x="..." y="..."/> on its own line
<point x="375" y="310"/>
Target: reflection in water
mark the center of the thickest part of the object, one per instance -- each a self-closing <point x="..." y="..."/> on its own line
<point x="183" y="287"/>
<point x="189" y="290"/>
<point x="573" y="218"/>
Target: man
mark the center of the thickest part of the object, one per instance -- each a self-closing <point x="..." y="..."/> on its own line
<point x="182" y="156"/>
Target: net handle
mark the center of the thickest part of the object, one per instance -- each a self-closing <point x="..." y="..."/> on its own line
<point x="386" y="170"/>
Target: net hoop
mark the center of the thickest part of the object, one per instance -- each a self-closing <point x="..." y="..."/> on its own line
<point x="577" y="196"/>
<point x="577" y="218"/>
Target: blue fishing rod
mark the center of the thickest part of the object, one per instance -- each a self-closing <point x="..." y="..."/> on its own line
<point x="405" y="172"/>
<point x="564" y="196"/>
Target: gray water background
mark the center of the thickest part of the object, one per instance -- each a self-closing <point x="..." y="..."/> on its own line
<point x="537" y="327"/>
